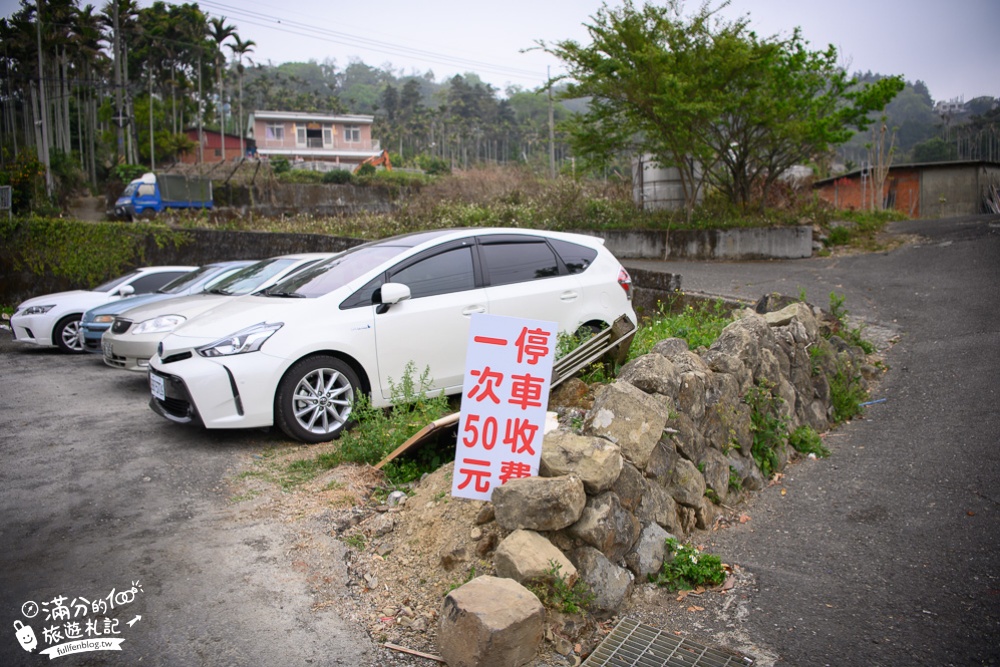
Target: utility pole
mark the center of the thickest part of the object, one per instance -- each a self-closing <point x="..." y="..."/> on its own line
<point x="44" y="115"/>
<point x="152" y="145"/>
<point x="201" y="140"/>
<point x="552" y="130"/>
<point x="119" y="111"/>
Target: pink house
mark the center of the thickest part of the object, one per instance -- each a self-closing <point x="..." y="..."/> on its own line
<point x="344" y="140"/>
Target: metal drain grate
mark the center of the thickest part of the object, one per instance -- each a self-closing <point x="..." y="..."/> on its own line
<point x="632" y="644"/>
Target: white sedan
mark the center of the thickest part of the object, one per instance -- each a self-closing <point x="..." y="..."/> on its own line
<point x="297" y="354"/>
<point x="54" y="319"/>
<point x="135" y="333"/>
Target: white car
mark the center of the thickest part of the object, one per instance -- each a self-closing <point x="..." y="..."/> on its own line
<point x="135" y="333"/>
<point x="297" y="354"/>
<point x="54" y="319"/>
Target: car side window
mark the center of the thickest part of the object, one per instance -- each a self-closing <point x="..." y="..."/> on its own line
<point x="154" y="281"/>
<point x="576" y="257"/>
<point x="146" y="189"/>
<point x="509" y="263"/>
<point x="443" y="273"/>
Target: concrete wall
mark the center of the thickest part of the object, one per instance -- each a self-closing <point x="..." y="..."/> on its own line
<point x="734" y="244"/>
<point x="211" y="245"/>
<point x="948" y="193"/>
<point x="293" y="198"/>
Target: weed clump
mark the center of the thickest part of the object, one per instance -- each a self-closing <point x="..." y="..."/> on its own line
<point x="688" y="568"/>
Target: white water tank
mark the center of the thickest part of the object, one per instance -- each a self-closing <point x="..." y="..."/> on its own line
<point x="657" y="188"/>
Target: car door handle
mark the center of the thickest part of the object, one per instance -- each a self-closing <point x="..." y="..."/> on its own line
<point x="474" y="309"/>
<point x="569" y="296"/>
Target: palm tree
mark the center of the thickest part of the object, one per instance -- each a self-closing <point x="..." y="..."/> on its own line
<point x="220" y="32"/>
<point x="240" y="49"/>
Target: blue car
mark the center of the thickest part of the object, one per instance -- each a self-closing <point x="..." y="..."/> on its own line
<point x="98" y="320"/>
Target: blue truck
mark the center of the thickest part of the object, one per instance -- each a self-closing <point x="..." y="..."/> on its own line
<point x="153" y="193"/>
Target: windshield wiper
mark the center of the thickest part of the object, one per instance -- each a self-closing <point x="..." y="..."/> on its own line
<point x="285" y="295"/>
<point x="219" y="291"/>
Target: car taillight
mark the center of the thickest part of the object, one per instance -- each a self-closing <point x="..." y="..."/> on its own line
<point x="625" y="281"/>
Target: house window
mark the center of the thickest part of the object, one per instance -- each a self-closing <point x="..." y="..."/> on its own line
<point x="327" y="136"/>
<point x="274" y="132"/>
<point x="300" y="135"/>
<point x="352" y="133"/>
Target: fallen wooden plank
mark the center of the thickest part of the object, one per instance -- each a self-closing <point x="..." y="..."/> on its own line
<point x="403" y="649"/>
<point x="421" y="435"/>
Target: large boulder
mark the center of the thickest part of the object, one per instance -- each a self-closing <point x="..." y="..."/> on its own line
<point x="653" y="373"/>
<point x="596" y="461"/>
<point x="525" y="556"/>
<point x="608" y="583"/>
<point x="715" y="470"/>
<point x="691" y="395"/>
<point x="630" y="487"/>
<point x="649" y="551"/>
<point x="490" y="622"/>
<point x="659" y="507"/>
<point x="686" y="483"/>
<point x="630" y="418"/>
<point x="607" y="526"/>
<point x="539" y="503"/>
<point x="688" y="438"/>
<point x="800" y="312"/>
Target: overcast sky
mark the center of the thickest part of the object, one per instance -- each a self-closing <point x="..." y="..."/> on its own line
<point x="952" y="47"/>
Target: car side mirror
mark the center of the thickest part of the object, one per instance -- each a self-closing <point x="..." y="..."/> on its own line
<point x="126" y="290"/>
<point x="391" y="294"/>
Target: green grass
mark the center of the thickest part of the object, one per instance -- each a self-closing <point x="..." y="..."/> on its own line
<point x="698" y="324"/>
<point x="378" y="432"/>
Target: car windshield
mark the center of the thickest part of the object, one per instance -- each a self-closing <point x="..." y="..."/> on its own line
<point x="130" y="189"/>
<point x="252" y="277"/>
<point x="111" y="284"/>
<point x="333" y="273"/>
<point x="180" y="284"/>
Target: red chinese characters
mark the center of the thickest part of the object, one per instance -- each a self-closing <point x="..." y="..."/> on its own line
<point x="506" y="390"/>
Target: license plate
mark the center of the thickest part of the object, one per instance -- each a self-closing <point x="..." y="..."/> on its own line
<point x="156" y="386"/>
<point x="106" y="348"/>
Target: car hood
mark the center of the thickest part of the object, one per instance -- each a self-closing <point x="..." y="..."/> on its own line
<point x="83" y="298"/>
<point x="120" y="306"/>
<point x="229" y="317"/>
<point x="186" y="306"/>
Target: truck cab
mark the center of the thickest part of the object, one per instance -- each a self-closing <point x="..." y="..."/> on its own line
<point x="151" y="194"/>
<point x="141" y="199"/>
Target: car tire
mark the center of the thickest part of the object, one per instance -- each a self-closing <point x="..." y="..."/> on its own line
<point x="148" y="214"/>
<point x="66" y="334"/>
<point x="315" y="399"/>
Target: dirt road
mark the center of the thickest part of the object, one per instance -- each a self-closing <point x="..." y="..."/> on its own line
<point x="99" y="496"/>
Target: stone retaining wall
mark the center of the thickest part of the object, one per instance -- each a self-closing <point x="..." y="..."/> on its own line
<point x="667" y="444"/>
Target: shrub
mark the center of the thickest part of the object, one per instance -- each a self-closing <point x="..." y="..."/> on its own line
<point x="688" y="568"/>
<point x="769" y="428"/>
<point x="556" y="593"/>
<point x="339" y="176"/>
<point x="805" y="440"/>
<point x="280" y="165"/>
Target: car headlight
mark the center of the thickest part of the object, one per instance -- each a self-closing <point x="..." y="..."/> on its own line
<point x="241" y="342"/>
<point x="37" y="310"/>
<point x="104" y="319"/>
<point x="161" y="324"/>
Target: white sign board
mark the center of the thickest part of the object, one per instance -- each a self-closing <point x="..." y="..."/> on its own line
<point x="508" y="369"/>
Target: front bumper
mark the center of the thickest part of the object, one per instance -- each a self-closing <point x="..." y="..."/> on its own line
<point x="130" y="352"/>
<point x="230" y="392"/>
<point x="90" y="336"/>
<point x="35" y="329"/>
